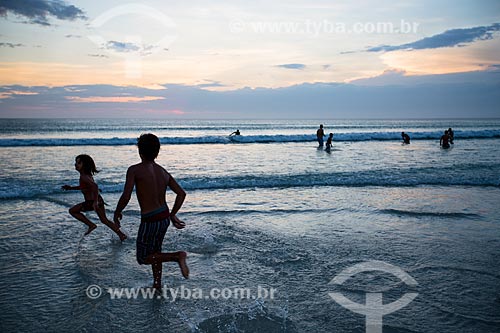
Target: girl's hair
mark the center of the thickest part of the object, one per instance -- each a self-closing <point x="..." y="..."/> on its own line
<point x="88" y="164"/>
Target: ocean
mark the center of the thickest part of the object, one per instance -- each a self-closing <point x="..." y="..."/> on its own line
<point x="266" y="212"/>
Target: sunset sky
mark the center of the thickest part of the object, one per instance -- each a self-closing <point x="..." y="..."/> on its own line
<point x="241" y="59"/>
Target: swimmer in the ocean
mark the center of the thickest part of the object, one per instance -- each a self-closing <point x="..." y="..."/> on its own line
<point x="406" y="138"/>
<point x="329" y="143"/>
<point x="444" y="142"/>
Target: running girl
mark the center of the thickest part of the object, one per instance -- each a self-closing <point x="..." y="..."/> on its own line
<point x="85" y="165"/>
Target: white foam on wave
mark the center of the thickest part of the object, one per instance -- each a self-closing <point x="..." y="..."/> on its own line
<point x="217" y="139"/>
<point x="484" y="175"/>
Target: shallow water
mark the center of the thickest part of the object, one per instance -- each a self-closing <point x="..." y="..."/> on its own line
<point x="278" y="215"/>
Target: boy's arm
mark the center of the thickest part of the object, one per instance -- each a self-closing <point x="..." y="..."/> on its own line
<point x="125" y="197"/>
<point x="179" y="200"/>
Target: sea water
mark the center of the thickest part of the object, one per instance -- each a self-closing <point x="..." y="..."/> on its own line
<point x="266" y="210"/>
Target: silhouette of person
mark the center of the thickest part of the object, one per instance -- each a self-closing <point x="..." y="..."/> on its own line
<point x="329" y="143"/>
<point x="406" y="138"/>
<point x="451" y="135"/>
<point x="151" y="181"/>
<point x="443" y="142"/>
<point x="320" y="133"/>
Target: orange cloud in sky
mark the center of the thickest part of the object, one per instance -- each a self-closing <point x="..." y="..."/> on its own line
<point x="9" y="94"/>
<point x="178" y="112"/>
<point x="63" y="74"/>
<point x="445" y="60"/>
<point x="113" y="99"/>
<point x="252" y="68"/>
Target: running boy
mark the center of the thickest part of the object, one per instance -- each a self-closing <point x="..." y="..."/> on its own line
<point x="151" y="182"/>
<point x="85" y="165"/>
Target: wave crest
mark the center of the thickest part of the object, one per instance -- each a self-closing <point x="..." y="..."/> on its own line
<point x="219" y="139"/>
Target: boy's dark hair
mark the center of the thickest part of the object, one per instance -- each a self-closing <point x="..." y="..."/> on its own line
<point x="88" y="164"/>
<point x="149" y="146"/>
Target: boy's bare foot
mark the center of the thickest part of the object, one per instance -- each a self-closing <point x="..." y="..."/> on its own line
<point x="91" y="228"/>
<point x="183" y="265"/>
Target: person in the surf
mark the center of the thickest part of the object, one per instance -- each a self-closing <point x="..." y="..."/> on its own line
<point x="151" y="182"/>
<point x="329" y="143"/>
<point x="406" y="138"/>
<point x="444" y="141"/>
<point x="237" y="132"/>
<point x="451" y="135"/>
<point x="320" y="133"/>
<point x="85" y="165"/>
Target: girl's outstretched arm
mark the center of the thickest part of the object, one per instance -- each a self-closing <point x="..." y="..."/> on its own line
<point x="68" y="187"/>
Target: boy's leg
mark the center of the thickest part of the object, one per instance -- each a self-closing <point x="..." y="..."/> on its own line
<point x="179" y="257"/>
<point x="102" y="216"/>
<point x="157" y="269"/>
<point x="75" y="211"/>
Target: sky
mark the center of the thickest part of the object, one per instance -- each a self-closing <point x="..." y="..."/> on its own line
<point x="241" y="59"/>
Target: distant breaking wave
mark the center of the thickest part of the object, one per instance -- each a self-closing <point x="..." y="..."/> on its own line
<point x="215" y="139"/>
<point x="484" y="175"/>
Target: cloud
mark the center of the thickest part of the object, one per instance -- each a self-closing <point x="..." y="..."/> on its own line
<point x="292" y="66"/>
<point x="38" y="11"/>
<point x="11" y="45"/>
<point x="397" y="77"/>
<point x="121" y="46"/>
<point x="74" y="89"/>
<point x="113" y="99"/>
<point x="128" y="47"/>
<point x="449" y="38"/>
<point x="73" y="36"/>
<point x="467" y="95"/>
<point x="210" y="84"/>
<point x="98" y="55"/>
<point x="13" y="93"/>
